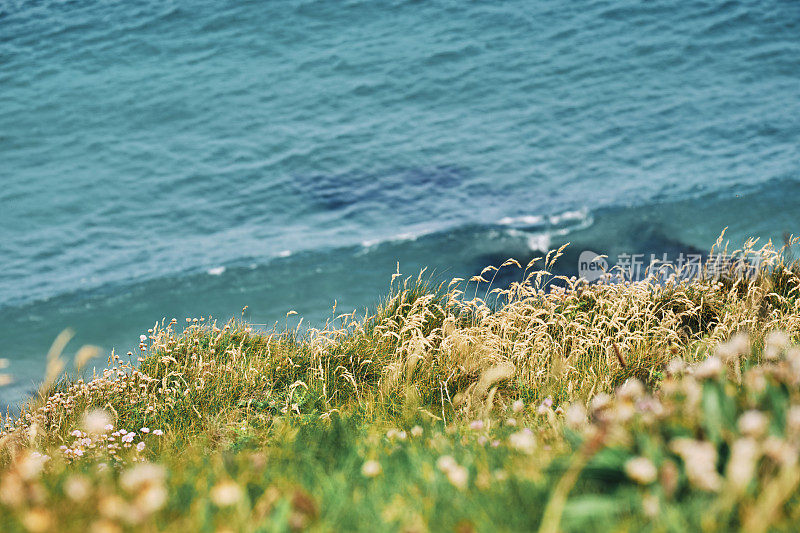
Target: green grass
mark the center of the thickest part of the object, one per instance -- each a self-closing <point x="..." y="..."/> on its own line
<point x="645" y="406"/>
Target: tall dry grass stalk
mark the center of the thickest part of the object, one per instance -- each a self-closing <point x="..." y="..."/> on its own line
<point x="456" y="349"/>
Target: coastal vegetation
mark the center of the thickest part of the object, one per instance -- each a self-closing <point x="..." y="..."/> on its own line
<point x="666" y="404"/>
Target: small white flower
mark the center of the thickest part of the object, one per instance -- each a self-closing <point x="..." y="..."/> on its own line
<point x="371" y="469"/>
<point x="140" y="447"/>
<point x="641" y="470"/>
<point x="742" y="462"/>
<point x="518" y="406"/>
<point x="753" y="423"/>
<point x="416" y="431"/>
<point x="145" y="430"/>
<point x="774" y="344"/>
<point x="396" y="434"/>
<point x="446" y="463"/>
<point x="143" y="338"/>
<point x="96" y="421"/>
<point x="710" y="368"/>
<point x="632" y="390"/>
<point x="157" y="432"/>
<point x="575" y="416"/>
<point x="458" y="477"/>
<point x="523" y="441"/>
<point x="128" y="437"/>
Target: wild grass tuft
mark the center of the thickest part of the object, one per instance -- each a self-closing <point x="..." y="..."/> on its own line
<point x="672" y="403"/>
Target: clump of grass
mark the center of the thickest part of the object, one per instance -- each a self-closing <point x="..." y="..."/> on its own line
<point x="568" y="400"/>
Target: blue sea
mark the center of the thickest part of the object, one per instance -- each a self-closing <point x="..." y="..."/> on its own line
<point x="164" y="159"/>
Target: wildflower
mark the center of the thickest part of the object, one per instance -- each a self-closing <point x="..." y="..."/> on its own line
<point x="140" y="447"/>
<point x="97" y="421"/>
<point x="112" y="507"/>
<point x="545" y="406"/>
<point x="12" y="490"/>
<point x="371" y="468"/>
<point x="396" y="434"/>
<point x="700" y="459"/>
<point x="37" y="519"/>
<point x="143" y="338"/>
<point x="157" y="432"/>
<point x="731" y="351"/>
<point x="600" y="402"/>
<point x="774" y="344"/>
<point x="145" y="430"/>
<point x="780" y="451"/>
<point x="517" y="406"/>
<point x="445" y="463"/>
<point x="650" y="505"/>
<point x="31" y="465"/>
<point x="476" y="425"/>
<point x="128" y="437"/>
<point x="641" y="470"/>
<point x="458" y="477"/>
<point x="742" y="463"/>
<point x="226" y="493"/>
<point x="793" y="420"/>
<point x="676" y="366"/>
<point x="77" y="488"/>
<point x="753" y="423"/>
<point x="575" y="416"/>
<point x="523" y="441"/>
<point x="709" y="369"/>
<point x="141" y="475"/>
<point x="631" y="390"/>
<point x="755" y="380"/>
<point x="416" y="431"/>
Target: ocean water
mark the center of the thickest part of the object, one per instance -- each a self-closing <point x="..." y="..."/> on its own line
<point x="169" y="159"/>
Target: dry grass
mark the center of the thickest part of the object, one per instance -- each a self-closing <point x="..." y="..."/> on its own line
<point x="462" y="353"/>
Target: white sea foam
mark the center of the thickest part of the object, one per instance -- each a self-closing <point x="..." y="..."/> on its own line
<point x="528" y="220"/>
<point x="216" y="271"/>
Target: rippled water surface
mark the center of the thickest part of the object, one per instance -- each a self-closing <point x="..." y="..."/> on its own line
<point x="163" y="159"/>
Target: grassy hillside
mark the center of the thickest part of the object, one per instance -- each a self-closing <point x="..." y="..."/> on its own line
<point x="668" y="406"/>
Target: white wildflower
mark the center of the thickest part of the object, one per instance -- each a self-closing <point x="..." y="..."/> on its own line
<point x="97" y="421"/>
<point x="700" y="459"/>
<point x="575" y="416"/>
<point x="458" y="477"/>
<point x="226" y="493"/>
<point x="517" y="406"/>
<point x="523" y="441"/>
<point x="371" y="468"/>
<point x="641" y="470"/>
<point x="753" y="423"/>
<point x="742" y="463"/>
<point x="709" y="369"/>
<point x="774" y="344"/>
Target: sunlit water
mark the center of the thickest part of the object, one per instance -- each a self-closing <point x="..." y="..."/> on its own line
<point x="172" y="159"/>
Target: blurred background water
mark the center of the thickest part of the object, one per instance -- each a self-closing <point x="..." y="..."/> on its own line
<point x="169" y="159"/>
